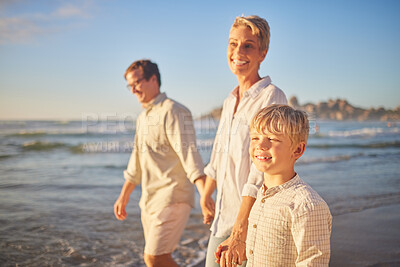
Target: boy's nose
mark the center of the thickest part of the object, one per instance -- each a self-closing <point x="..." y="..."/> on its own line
<point x="264" y="145"/>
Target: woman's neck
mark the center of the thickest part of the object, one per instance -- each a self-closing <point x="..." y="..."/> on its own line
<point x="246" y="82"/>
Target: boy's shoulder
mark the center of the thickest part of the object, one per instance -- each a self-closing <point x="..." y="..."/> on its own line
<point x="306" y="199"/>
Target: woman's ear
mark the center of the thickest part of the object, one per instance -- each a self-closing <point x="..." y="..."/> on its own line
<point x="263" y="55"/>
<point x="299" y="150"/>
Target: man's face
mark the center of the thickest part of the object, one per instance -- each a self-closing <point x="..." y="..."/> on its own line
<point x="144" y="90"/>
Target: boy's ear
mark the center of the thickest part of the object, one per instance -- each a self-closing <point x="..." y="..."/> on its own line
<point x="299" y="150"/>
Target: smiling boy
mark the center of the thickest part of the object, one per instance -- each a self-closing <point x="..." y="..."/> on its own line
<point x="289" y="224"/>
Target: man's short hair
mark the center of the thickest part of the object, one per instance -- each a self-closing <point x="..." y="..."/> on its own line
<point x="282" y="120"/>
<point x="259" y="27"/>
<point x="148" y="68"/>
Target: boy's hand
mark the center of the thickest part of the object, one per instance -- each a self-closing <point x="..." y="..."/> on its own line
<point x="207" y="208"/>
<point x="231" y="252"/>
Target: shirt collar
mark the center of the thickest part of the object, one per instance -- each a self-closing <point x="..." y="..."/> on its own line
<point x="158" y="99"/>
<point x="268" y="192"/>
<point x="255" y="89"/>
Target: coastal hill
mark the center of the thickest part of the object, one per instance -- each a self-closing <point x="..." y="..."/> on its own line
<point x="338" y="109"/>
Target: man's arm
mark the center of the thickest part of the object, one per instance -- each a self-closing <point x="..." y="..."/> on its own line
<point x="234" y="248"/>
<point x="200" y="183"/>
<point x="206" y="202"/>
<point x="123" y="199"/>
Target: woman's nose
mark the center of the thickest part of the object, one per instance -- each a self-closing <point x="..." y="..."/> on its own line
<point x="239" y="49"/>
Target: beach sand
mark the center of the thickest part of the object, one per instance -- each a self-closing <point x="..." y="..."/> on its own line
<point x="366" y="238"/>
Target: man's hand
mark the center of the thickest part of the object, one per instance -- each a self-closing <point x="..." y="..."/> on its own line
<point x="231" y="252"/>
<point x="119" y="209"/>
<point x="207" y="208"/>
<point x="122" y="201"/>
<point x="206" y="202"/>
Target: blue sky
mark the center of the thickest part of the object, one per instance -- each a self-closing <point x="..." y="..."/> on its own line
<point x="66" y="59"/>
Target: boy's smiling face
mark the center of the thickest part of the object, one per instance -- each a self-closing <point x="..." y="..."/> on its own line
<point x="273" y="154"/>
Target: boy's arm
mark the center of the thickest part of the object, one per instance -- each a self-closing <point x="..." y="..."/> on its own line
<point x="234" y="248"/>
<point x="311" y="233"/>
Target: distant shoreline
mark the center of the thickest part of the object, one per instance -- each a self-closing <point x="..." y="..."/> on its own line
<point x="334" y="110"/>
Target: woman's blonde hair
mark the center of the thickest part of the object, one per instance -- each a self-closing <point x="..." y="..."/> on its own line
<point x="282" y="120"/>
<point x="259" y="27"/>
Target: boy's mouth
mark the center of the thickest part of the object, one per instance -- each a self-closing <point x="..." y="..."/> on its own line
<point x="263" y="158"/>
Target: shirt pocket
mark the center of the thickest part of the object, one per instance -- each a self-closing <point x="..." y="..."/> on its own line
<point x="153" y="137"/>
<point x="276" y="233"/>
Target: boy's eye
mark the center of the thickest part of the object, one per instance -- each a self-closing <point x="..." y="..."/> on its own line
<point x="248" y="46"/>
<point x="273" y="139"/>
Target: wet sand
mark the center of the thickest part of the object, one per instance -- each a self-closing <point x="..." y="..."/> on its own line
<point x="366" y="238"/>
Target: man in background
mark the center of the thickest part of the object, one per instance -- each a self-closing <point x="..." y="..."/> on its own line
<point x="166" y="163"/>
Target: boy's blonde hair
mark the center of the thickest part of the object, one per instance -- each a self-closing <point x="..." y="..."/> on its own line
<point x="282" y="120"/>
<point x="259" y="27"/>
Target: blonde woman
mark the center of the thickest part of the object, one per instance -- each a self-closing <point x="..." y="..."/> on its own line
<point x="230" y="170"/>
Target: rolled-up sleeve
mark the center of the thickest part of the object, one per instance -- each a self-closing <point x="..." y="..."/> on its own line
<point x="254" y="182"/>
<point x="182" y="138"/>
<point x="133" y="172"/>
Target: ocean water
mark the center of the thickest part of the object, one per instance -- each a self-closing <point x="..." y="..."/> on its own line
<point x="59" y="181"/>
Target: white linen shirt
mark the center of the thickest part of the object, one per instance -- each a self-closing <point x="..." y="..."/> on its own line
<point x="289" y="225"/>
<point x="230" y="160"/>
<point x="164" y="159"/>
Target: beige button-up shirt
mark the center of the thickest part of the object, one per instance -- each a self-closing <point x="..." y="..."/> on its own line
<point x="289" y="225"/>
<point x="230" y="160"/>
<point x="164" y="159"/>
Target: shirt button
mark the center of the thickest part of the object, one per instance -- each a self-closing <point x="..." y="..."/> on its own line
<point x="254" y="225"/>
<point x="251" y="252"/>
<point x="262" y="200"/>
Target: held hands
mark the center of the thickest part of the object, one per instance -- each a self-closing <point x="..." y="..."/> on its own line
<point x="207" y="208"/>
<point x="231" y="252"/>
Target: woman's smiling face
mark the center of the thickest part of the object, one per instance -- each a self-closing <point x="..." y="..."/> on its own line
<point x="244" y="55"/>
